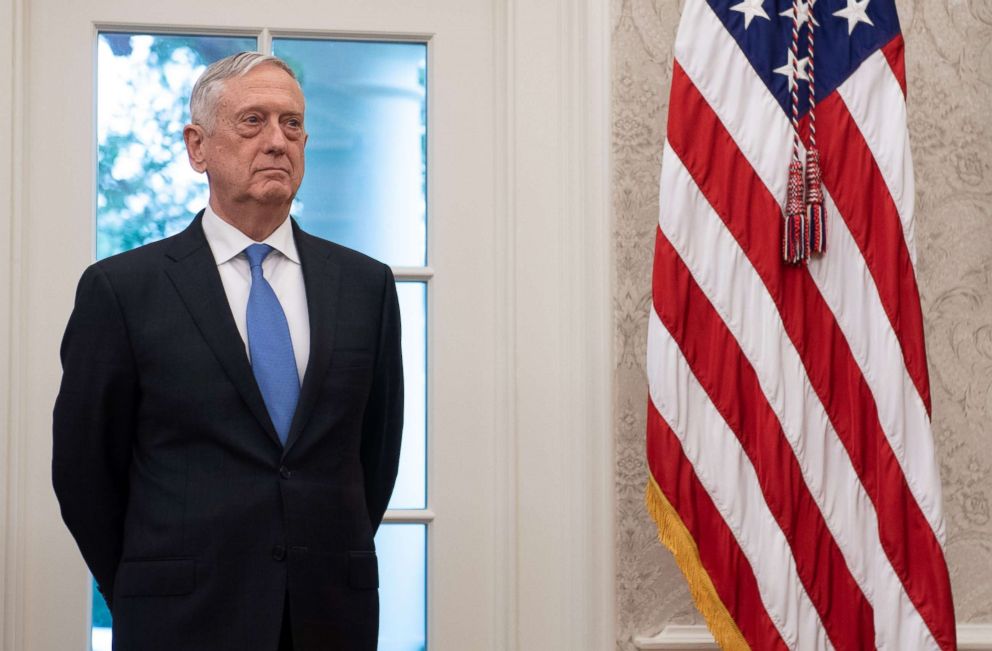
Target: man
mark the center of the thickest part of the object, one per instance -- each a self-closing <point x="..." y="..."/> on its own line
<point x="227" y="432"/>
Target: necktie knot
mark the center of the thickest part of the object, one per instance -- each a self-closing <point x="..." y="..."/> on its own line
<point x="256" y="254"/>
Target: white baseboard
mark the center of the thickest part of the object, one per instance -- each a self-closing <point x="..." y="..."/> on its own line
<point x="974" y="637"/>
<point x="678" y="637"/>
<point x="971" y="637"/>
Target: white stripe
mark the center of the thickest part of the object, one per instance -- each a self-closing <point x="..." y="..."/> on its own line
<point x="727" y="475"/>
<point x="736" y="291"/>
<point x="875" y="100"/>
<point x="756" y="122"/>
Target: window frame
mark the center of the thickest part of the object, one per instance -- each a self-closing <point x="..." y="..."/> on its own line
<point x="411" y="273"/>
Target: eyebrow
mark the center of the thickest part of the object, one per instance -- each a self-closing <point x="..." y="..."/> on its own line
<point x="261" y="109"/>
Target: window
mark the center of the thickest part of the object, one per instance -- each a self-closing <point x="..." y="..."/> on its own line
<point x="365" y="187"/>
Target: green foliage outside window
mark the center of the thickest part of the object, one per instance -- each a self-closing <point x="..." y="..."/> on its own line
<point x="145" y="187"/>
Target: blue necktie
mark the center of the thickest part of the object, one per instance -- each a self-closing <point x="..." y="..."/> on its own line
<point x="272" y="358"/>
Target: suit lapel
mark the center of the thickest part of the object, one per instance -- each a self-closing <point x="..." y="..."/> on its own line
<point x="194" y="274"/>
<point x="321" y="276"/>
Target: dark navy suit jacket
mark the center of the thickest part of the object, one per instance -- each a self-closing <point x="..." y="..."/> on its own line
<point x="195" y="521"/>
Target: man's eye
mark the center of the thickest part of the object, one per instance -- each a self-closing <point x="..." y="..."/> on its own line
<point x="252" y="119"/>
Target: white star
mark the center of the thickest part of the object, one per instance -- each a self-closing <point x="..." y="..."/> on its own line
<point x="750" y="9"/>
<point x="805" y="13"/>
<point x="854" y="12"/>
<point x="787" y="68"/>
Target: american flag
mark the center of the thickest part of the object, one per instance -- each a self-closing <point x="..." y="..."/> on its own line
<point x="792" y="463"/>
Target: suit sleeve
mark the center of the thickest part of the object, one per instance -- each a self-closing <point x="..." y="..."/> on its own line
<point x="383" y="423"/>
<point x="93" y="424"/>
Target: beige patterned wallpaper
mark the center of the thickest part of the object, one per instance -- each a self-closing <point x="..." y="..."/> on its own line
<point x="949" y="69"/>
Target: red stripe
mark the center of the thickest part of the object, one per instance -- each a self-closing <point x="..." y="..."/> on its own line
<point x="894" y="54"/>
<point x="725" y="373"/>
<point x="753" y="216"/>
<point x="863" y="200"/>
<point x="719" y="552"/>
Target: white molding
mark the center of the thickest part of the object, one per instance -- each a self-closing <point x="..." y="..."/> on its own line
<point x="12" y="540"/>
<point x="974" y="637"/>
<point x="971" y="637"/>
<point x="391" y="36"/>
<point x="141" y="27"/>
<point x="413" y="273"/>
<point x="678" y="638"/>
<point x="408" y="516"/>
<point x="559" y="232"/>
<point x="264" y="41"/>
<point x="505" y="623"/>
<point x="586" y="273"/>
<point x="263" y="34"/>
<point x="6" y="290"/>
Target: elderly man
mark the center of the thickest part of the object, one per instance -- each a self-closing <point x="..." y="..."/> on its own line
<point x="227" y="432"/>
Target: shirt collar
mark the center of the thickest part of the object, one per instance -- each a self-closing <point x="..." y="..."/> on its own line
<point x="226" y="241"/>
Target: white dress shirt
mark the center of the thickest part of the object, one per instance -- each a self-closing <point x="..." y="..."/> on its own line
<point x="281" y="268"/>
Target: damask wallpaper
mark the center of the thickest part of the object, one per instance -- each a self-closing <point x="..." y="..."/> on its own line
<point x="949" y="70"/>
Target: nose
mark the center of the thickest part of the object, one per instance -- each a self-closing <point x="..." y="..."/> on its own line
<point x="275" y="139"/>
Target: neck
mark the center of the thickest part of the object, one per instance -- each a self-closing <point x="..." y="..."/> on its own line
<point x="254" y="220"/>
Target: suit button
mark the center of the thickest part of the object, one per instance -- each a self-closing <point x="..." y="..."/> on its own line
<point x="284" y="472"/>
<point x="279" y="552"/>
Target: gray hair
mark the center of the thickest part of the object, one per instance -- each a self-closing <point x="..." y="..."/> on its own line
<point x="206" y="91"/>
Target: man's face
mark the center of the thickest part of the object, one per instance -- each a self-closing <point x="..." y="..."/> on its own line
<point x="254" y="151"/>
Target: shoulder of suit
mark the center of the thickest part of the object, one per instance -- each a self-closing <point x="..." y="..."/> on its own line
<point x="142" y="258"/>
<point x="355" y="260"/>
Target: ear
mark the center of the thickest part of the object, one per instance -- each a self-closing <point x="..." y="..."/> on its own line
<point x="194" y="136"/>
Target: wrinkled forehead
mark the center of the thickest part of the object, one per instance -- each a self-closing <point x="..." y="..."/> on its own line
<point x="267" y="84"/>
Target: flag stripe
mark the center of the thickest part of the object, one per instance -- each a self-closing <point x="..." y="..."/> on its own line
<point x="719" y="553"/>
<point x="853" y="178"/>
<point x="725" y="374"/>
<point x="894" y="53"/>
<point x="699" y="236"/>
<point x="723" y="470"/>
<point x="751" y="214"/>
<point x="875" y="101"/>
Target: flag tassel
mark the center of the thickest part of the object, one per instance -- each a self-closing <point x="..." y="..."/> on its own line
<point x="795" y="247"/>
<point x="815" y="211"/>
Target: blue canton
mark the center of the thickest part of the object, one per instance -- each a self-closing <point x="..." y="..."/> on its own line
<point x="763" y="30"/>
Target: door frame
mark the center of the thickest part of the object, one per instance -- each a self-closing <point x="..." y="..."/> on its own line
<point x="552" y="566"/>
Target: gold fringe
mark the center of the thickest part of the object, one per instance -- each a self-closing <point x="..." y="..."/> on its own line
<point x="673" y="534"/>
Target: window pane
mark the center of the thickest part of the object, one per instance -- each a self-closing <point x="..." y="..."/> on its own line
<point x="366" y="181"/>
<point x="411" y="483"/>
<point x="402" y="552"/>
<point x="146" y="189"/>
<point x="100" y="621"/>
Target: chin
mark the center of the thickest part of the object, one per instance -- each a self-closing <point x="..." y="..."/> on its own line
<point x="274" y="196"/>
